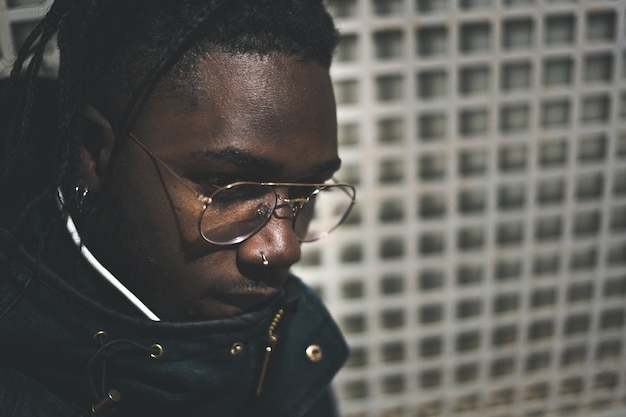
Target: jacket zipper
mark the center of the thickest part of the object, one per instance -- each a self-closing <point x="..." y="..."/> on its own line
<point x="272" y="338"/>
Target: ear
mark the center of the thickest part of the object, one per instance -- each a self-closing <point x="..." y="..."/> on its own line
<point x="96" y="145"/>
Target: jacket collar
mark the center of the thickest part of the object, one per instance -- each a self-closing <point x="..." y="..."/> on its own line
<point x="206" y="368"/>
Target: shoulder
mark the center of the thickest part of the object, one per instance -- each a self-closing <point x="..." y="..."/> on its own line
<point x="14" y="277"/>
<point x="21" y="396"/>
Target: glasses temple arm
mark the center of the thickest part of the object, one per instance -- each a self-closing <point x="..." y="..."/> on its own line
<point x="167" y="167"/>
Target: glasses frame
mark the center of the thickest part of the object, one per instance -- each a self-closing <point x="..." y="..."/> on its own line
<point x="295" y="204"/>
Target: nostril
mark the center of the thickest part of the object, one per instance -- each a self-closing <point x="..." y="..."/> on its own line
<point x="275" y="242"/>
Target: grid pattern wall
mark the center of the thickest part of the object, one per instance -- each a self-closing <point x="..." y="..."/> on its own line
<point x="483" y="271"/>
<point x="17" y="19"/>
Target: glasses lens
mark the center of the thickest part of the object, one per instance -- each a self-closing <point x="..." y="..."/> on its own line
<point x="236" y="213"/>
<point x="325" y="210"/>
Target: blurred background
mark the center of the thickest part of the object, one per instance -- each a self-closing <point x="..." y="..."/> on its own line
<point x="483" y="271"/>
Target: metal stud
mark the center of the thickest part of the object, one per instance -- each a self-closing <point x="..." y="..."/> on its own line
<point x="314" y="353"/>
<point x="101" y="337"/>
<point x="236" y="348"/>
<point x="158" y="351"/>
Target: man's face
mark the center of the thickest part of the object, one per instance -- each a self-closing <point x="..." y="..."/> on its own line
<point x="251" y="118"/>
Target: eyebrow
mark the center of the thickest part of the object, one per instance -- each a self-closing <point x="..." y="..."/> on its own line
<point x="241" y="158"/>
<point x="233" y="156"/>
<point x="329" y="166"/>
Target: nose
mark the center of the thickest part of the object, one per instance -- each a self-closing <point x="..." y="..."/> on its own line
<point x="276" y="242"/>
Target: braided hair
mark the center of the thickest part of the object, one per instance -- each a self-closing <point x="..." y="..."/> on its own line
<point x="121" y="52"/>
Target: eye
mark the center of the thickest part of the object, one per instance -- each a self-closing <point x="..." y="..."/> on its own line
<point x="211" y="183"/>
<point x="244" y="194"/>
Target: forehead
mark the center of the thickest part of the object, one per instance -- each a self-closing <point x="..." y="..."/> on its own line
<point x="268" y="105"/>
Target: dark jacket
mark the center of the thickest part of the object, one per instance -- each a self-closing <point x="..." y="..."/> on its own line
<point x="53" y="363"/>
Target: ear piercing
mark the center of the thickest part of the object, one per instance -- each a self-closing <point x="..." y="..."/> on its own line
<point x="80" y="194"/>
<point x="265" y="261"/>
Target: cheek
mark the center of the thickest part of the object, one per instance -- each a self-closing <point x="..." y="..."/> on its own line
<point x="140" y="210"/>
<point x="161" y="200"/>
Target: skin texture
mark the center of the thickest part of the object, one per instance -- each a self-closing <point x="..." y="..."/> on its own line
<point x="250" y="117"/>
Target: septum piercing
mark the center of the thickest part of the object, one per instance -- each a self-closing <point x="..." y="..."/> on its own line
<point x="265" y="261"/>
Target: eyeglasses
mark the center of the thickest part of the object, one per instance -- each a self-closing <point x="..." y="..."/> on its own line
<point x="234" y="212"/>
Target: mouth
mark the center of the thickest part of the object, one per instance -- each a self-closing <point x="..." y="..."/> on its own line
<point x="247" y="299"/>
<point x="233" y="295"/>
<point x="250" y="292"/>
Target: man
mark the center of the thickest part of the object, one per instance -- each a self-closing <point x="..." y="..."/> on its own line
<point x="148" y="231"/>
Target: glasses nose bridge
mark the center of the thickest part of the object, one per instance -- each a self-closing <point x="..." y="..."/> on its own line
<point x="295" y="204"/>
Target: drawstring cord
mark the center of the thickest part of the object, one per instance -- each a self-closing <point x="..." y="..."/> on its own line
<point x="106" y="398"/>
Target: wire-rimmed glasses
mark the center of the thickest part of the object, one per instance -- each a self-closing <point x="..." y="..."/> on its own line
<point x="234" y="212"/>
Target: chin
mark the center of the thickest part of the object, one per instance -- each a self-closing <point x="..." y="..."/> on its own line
<point x="220" y="308"/>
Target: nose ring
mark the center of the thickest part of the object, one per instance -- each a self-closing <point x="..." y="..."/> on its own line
<point x="265" y="261"/>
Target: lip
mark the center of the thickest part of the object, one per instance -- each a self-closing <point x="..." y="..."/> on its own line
<point x="247" y="299"/>
<point x="250" y="289"/>
<point x="237" y="294"/>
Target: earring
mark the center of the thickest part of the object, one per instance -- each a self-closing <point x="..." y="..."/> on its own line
<point x="265" y="261"/>
<point x="80" y="196"/>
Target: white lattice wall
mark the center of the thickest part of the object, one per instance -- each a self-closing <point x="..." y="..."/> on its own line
<point x="17" y="19"/>
<point x="483" y="272"/>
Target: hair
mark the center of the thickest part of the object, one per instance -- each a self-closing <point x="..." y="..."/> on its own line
<point x="124" y="51"/>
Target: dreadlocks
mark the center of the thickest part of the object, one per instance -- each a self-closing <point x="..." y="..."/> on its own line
<point x="117" y="54"/>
